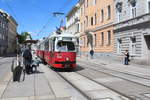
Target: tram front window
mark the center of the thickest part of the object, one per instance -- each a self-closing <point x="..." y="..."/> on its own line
<point x="65" y="46"/>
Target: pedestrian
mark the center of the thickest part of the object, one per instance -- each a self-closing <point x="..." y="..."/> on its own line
<point x="91" y="53"/>
<point x="126" y="59"/>
<point x="27" y="59"/>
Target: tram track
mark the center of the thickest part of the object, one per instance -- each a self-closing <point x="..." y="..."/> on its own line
<point x="122" y="96"/>
<point x="85" y="95"/>
<point x="104" y="71"/>
<point x="103" y="68"/>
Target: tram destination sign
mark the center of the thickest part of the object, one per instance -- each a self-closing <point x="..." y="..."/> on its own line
<point x="67" y="39"/>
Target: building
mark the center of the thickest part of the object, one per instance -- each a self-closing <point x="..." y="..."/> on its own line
<point x="3" y="32"/>
<point x="72" y="23"/>
<point x="8" y="33"/>
<point x="12" y="34"/>
<point x="132" y="29"/>
<point x="96" y="21"/>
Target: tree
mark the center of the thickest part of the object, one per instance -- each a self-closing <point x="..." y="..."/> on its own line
<point x="23" y="36"/>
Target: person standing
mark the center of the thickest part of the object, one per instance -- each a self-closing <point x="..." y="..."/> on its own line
<point x="126" y="59"/>
<point x="27" y="59"/>
<point x="91" y="53"/>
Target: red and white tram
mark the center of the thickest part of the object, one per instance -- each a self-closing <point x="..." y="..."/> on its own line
<point x="59" y="51"/>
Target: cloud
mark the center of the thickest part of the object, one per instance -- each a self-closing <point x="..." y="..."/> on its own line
<point x="33" y="33"/>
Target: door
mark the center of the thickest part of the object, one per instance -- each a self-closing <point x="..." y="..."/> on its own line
<point x="119" y="41"/>
<point x="147" y="39"/>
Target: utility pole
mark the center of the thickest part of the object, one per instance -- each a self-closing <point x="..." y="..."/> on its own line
<point x="61" y="21"/>
<point x="58" y="14"/>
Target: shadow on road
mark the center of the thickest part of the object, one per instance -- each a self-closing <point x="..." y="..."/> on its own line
<point x="78" y="68"/>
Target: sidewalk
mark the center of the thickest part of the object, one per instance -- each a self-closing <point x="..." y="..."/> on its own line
<point x="140" y="70"/>
<point x="42" y="85"/>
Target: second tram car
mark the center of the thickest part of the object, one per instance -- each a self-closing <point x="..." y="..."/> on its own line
<point x="59" y="51"/>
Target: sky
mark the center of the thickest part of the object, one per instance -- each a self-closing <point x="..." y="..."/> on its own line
<point x="36" y="16"/>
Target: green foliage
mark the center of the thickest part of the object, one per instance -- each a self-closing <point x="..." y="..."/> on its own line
<point x="23" y="36"/>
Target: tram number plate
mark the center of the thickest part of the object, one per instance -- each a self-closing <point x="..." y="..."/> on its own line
<point x="67" y="66"/>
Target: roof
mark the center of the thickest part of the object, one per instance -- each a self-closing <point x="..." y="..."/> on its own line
<point x="72" y="11"/>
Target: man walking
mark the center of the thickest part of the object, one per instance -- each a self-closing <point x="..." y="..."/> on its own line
<point x="91" y="53"/>
<point x="27" y="59"/>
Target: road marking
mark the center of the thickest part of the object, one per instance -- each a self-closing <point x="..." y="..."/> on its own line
<point x="2" y="89"/>
<point x="44" y="97"/>
<point x="18" y="98"/>
<point x="4" y="83"/>
<point x="7" y="77"/>
<point x="147" y="95"/>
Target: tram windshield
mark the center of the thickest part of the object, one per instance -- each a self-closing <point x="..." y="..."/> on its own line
<point x="65" y="46"/>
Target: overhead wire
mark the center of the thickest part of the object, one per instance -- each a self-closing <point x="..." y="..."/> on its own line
<point x="13" y="13"/>
<point x="60" y="10"/>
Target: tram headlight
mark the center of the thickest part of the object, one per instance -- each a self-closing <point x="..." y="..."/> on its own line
<point x="67" y="59"/>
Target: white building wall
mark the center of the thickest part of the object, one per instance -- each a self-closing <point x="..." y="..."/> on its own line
<point x="126" y="14"/>
<point x="72" y="23"/>
<point x="128" y="27"/>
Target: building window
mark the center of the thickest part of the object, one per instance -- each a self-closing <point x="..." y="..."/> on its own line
<point x="94" y="2"/>
<point x="133" y="8"/>
<point x="119" y="10"/>
<point x="133" y="12"/>
<point x="119" y="16"/>
<point x="119" y="42"/>
<point x="102" y="15"/>
<point x="81" y="27"/>
<point x="133" y="44"/>
<point x="95" y="39"/>
<point x="78" y="27"/>
<point x="86" y="20"/>
<point x="87" y="3"/>
<point x="109" y="37"/>
<point x="102" y="38"/>
<point x="133" y="39"/>
<point x="149" y="6"/>
<point x="95" y="19"/>
<point x="109" y="12"/>
<point x="84" y="43"/>
<point x="81" y="11"/>
<point x="92" y="21"/>
<point x="84" y="25"/>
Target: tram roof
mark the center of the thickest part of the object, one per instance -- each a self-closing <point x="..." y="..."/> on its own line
<point x="62" y="35"/>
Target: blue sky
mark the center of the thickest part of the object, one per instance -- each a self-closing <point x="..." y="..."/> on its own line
<point x="35" y="16"/>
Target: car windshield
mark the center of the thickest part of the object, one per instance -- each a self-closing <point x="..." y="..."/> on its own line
<point x="65" y="46"/>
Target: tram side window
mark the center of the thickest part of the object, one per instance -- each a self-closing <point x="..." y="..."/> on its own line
<point x="47" y="45"/>
<point x="51" y="45"/>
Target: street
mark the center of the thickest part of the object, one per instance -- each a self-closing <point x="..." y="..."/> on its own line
<point x="93" y="79"/>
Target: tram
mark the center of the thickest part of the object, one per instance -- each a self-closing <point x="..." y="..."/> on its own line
<point x="58" y="51"/>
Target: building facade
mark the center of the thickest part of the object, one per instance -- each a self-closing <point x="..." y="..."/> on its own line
<point x="132" y="29"/>
<point x="72" y="23"/>
<point x="12" y="34"/>
<point x="3" y="32"/>
<point x="96" y="19"/>
<point x="8" y="33"/>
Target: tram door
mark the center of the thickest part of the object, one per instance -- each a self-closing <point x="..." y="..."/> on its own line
<point x="147" y="38"/>
<point x="51" y="49"/>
